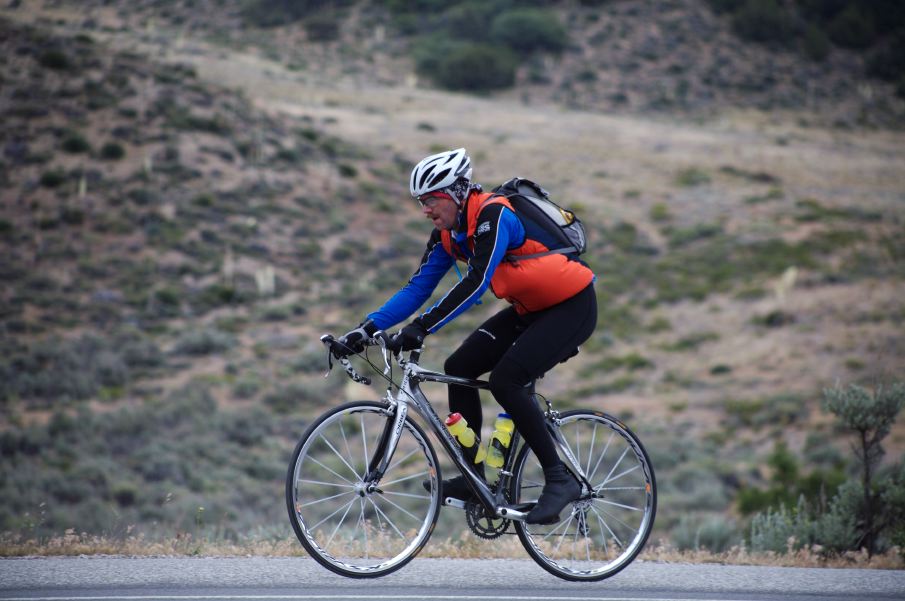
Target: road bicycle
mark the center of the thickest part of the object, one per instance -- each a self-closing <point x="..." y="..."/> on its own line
<point x="363" y="486"/>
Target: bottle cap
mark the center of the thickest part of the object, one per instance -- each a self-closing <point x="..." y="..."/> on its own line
<point x="453" y="419"/>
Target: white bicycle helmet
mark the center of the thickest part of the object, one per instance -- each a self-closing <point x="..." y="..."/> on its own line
<point x="440" y="171"/>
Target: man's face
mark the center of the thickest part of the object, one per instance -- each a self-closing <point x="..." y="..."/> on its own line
<point x="440" y="208"/>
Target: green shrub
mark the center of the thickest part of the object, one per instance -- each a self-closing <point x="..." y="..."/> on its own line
<point x="53" y="179"/>
<point x="469" y="67"/>
<point x="468" y="20"/>
<point x="852" y="28"/>
<point x="204" y="342"/>
<point x="888" y="61"/>
<point x="323" y="27"/>
<point x="528" y="30"/>
<point x="112" y="151"/>
<point x="778" y="530"/>
<point x="74" y="143"/>
<point x="660" y="212"/>
<point x="247" y="387"/>
<point x="725" y="6"/>
<point x="869" y="414"/>
<point x="64" y="370"/>
<point x="692" y="176"/>
<point x="774" y="319"/>
<point x="56" y="60"/>
<point x="691" y="342"/>
<point x="714" y="533"/>
<point x="764" y="21"/>
<point x="347" y="171"/>
<point x="217" y="295"/>
<point x="816" y="44"/>
<point x="681" y="236"/>
<point x="273" y="13"/>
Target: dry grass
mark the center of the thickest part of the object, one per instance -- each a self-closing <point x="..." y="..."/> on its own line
<point x="465" y="547"/>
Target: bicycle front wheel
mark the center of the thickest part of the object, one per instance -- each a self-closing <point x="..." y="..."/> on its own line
<point x="350" y="526"/>
<point x="601" y="534"/>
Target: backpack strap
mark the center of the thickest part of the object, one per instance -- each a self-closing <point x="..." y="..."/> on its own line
<point x="516" y="258"/>
<point x="558" y="251"/>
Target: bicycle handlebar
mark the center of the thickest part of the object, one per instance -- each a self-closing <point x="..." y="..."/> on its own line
<point x="329" y="341"/>
<point x="380" y="338"/>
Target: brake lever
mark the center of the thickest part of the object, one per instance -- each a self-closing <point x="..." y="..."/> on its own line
<point x="327" y="340"/>
<point x="383" y="341"/>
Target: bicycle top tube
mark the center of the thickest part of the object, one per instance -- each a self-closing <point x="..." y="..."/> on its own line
<point x="420" y="374"/>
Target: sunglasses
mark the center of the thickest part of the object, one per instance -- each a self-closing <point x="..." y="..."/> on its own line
<point x="432" y="199"/>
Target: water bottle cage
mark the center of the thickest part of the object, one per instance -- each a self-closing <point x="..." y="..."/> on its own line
<point x="471" y="452"/>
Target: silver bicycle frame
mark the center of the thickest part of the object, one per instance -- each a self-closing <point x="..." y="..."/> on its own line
<point x="410" y="392"/>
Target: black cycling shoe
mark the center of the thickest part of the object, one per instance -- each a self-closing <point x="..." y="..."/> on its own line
<point x="457" y="487"/>
<point x="560" y="489"/>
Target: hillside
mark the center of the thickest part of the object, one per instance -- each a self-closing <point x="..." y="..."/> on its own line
<point x="682" y="57"/>
<point x="182" y="219"/>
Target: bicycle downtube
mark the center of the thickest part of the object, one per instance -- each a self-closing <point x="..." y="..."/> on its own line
<point x="423" y="407"/>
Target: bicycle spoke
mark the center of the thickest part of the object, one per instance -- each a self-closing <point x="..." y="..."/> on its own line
<point x="346" y="506"/>
<point x="606" y="548"/>
<point x="364" y="438"/>
<point x="630" y="507"/>
<point x="399" y="461"/>
<point x="329" y="469"/>
<point x="628" y="471"/>
<point x="322" y="483"/>
<point x="615" y="465"/>
<point x="405" y="494"/>
<point x="342" y="431"/>
<point x="610" y="530"/>
<point x="591" y="449"/>
<point x="618" y="520"/>
<point x="563" y="536"/>
<point x="552" y="532"/>
<point x="341" y="458"/>
<point x="359" y="523"/>
<point x="602" y="455"/>
<point x="342" y="494"/>
<point x="386" y="518"/>
<point x="403" y="479"/>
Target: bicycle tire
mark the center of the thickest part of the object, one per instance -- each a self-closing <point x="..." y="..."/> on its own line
<point x="385" y="528"/>
<point x="597" y="537"/>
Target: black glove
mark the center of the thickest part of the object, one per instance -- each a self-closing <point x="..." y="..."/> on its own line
<point x="410" y="337"/>
<point x="353" y="341"/>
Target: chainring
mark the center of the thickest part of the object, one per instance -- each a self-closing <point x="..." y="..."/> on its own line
<point x="484" y="526"/>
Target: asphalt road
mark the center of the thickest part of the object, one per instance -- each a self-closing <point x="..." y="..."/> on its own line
<point x="301" y="579"/>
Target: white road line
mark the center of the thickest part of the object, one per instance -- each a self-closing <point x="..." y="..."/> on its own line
<point x="344" y="597"/>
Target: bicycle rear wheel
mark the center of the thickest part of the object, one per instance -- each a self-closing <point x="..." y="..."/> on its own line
<point x="349" y="527"/>
<point x="601" y="534"/>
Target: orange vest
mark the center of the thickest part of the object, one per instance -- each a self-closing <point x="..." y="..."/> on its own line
<point x="530" y="284"/>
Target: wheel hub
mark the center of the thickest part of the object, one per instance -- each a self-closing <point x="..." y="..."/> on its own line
<point x="364" y="489"/>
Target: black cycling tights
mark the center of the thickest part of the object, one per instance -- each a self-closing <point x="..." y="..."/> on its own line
<point x="516" y="350"/>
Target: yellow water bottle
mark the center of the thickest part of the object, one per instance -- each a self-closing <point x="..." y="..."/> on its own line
<point x="471" y="444"/>
<point x="498" y="447"/>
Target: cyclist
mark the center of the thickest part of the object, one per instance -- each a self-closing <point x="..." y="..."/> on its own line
<point x="553" y="309"/>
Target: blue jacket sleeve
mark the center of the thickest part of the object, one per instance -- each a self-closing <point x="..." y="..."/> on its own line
<point x="434" y="265"/>
<point x="498" y="229"/>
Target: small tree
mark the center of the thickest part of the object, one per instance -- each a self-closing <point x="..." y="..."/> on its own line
<point x="870" y="414"/>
